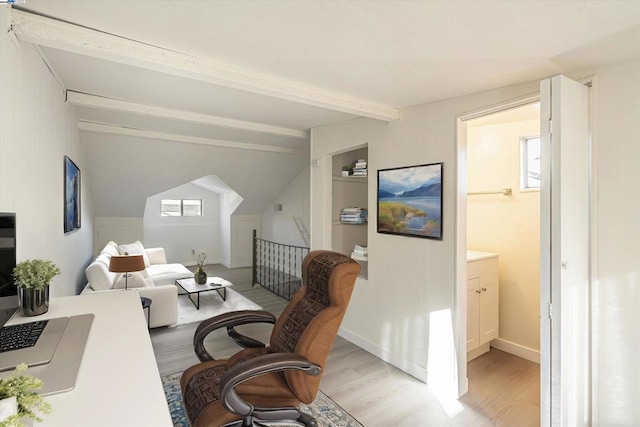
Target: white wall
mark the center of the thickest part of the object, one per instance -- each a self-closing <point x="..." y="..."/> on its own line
<point x="228" y="204"/>
<point x="616" y="322"/>
<point x="37" y="129"/>
<point x="279" y="226"/>
<point x="121" y="230"/>
<point x="412" y="281"/>
<point x="507" y="225"/>
<point x="180" y="236"/>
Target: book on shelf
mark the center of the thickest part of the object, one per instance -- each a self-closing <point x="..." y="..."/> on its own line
<point x="361" y="250"/>
<point x="359" y="257"/>
<point x="354" y="221"/>
<point x="359" y="165"/>
<point x="353" y="215"/>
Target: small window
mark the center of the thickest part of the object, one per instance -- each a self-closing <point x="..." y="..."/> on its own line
<point x="177" y="207"/>
<point x="530" y="162"/>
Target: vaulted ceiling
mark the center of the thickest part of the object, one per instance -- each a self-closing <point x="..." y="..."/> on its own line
<point x="170" y="91"/>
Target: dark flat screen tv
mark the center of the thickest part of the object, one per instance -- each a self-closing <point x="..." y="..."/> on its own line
<point x="8" y="290"/>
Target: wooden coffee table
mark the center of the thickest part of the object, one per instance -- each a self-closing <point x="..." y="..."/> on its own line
<point x="190" y="287"/>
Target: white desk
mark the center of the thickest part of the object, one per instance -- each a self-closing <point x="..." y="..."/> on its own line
<point x="118" y="382"/>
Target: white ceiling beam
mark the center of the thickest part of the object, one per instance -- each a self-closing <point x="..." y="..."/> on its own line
<point x="119" y="130"/>
<point x="109" y="104"/>
<point x="56" y="34"/>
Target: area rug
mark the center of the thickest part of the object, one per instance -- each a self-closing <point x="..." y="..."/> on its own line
<point x="211" y="304"/>
<point x="327" y="412"/>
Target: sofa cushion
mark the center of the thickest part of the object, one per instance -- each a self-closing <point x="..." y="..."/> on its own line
<point x="135" y="248"/>
<point x="99" y="276"/>
<point x="110" y="249"/>
<point x="135" y="280"/>
<point x="166" y="274"/>
<point x="104" y="258"/>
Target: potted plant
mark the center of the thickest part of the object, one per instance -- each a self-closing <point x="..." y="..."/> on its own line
<point x="19" y="400"/>
<point x="200" y="276"/>
<point x="32" y="279"/>
<point x="346" y="170"/>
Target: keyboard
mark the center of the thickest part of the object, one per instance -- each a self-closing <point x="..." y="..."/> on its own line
<point x="16" y="337"/>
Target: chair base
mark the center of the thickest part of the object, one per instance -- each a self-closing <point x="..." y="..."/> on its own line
<point x="303" y="420"/>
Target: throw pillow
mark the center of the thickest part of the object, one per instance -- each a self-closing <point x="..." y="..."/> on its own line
<point x="135" y="248"/>
<point x="135" y="280"/>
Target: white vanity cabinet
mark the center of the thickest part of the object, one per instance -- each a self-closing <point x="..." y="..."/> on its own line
<point x="482" y="302"/>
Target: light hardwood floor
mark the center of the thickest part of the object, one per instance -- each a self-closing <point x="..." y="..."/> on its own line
<point x="503" y="389"/>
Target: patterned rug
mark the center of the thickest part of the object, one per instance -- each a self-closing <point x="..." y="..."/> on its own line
<point x="326" y="411"/>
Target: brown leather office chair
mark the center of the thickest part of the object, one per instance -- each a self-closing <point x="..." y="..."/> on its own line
<point x="267" y="383"/>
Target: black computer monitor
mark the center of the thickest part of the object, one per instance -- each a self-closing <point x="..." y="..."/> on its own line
<point x="8" y="289"/>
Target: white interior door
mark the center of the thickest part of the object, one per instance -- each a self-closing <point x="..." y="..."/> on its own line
<point x="242" y="239"/>
<point x="565" y="278"/>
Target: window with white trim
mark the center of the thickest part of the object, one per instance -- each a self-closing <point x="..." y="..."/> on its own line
<point x="530" y="164"/>
<point x="181" y="207"/>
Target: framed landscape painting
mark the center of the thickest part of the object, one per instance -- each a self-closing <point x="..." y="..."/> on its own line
<point x="71" y="195"/>
<point x="410" y="201"/>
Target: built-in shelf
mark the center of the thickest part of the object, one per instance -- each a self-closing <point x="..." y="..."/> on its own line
<point x="358" y="179"/>
<point x="348" y="191"/>
<point x="338" y="222"/>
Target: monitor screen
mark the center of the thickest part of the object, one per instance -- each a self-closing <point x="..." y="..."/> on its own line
<point x="8" y="290"/>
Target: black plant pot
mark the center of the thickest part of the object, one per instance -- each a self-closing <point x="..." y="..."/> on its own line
<point x="34" y="301"/>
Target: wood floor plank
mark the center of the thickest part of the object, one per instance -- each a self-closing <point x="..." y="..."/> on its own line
<point x="503" y="389"/>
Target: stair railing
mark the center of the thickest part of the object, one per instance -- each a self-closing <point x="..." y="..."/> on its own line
<point x="277" y="267"/>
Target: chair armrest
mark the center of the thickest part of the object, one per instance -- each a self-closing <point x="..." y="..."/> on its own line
<point x="229" y="320"/>
<point x="156" y="255"/>
<point x="267" y="363"/>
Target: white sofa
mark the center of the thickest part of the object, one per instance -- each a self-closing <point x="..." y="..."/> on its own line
<point x="156" y="282"/>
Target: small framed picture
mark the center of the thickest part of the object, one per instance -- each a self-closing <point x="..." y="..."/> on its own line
<point x="71" y="195"/>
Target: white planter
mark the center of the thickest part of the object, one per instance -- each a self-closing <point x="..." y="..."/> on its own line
<point x="345" y="173"/>
<point x="8" y="407"/>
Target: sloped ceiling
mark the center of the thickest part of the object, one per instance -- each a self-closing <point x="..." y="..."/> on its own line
<point x="231" y="88"/>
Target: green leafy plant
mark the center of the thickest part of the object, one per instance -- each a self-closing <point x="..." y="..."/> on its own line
<point x="35" y="273"/>
<point x="22" y="387"/>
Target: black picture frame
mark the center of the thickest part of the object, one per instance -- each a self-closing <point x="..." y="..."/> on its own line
<point x="72" y="207"/>
<point x="410" y="201"/>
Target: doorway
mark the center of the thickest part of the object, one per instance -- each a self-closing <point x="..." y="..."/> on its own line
<point x="503" y="168"/>
<point x="565" y="248"/>
<point x="503" y="232"/>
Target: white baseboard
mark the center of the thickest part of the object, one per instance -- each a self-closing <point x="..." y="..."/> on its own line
<point x="409" y="367"/>
<point x="516" y="349"/>
<point x="190" y="263"/>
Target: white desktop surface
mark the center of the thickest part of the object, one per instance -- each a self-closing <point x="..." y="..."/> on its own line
<point x="118" y="382"/>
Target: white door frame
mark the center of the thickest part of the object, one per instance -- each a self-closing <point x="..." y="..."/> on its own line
<point x="461" y="241"/>
<point x="461" y="227"/>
